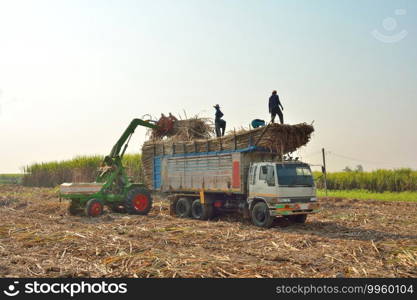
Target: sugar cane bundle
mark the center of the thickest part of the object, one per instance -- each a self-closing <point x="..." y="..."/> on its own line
<point x="276" y="138"/>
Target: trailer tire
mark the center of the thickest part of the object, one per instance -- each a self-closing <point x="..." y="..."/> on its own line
<point x="201" y="211"/>
<point x="138" y="201"/>
<point x="261" y="216"/>
<point x="94" y="208"/>
<point x="183" y="208"/>
<point x="298" y="218"/>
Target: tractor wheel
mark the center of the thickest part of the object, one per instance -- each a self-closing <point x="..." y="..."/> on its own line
<point x="93" y="208"/>
<point x="261" y="216"/>
<point x="183" y="208"/>
<point x="298" y="218"/>
<point x="200" y="211"/>
<point x="74" y="208"/>
<point x="138" y="201"/>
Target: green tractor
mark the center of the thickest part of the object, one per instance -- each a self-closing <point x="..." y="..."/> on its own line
<point x="112" y="187"/>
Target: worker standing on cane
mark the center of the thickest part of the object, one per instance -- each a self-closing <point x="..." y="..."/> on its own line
<point x="219" y="123"/>
<point x="275" y="107"/>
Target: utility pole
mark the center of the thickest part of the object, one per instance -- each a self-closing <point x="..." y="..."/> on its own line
<point x="324" y="170"/>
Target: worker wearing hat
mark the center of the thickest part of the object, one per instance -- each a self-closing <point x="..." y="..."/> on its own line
<point x="275" y="107"/>
<point x="219" y="123"/>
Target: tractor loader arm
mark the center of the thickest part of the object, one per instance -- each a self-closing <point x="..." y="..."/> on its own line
<point x="127" y="134"/>
<point x="111" y="166"/>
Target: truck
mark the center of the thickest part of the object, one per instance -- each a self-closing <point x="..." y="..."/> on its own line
<point x="251" y="181"/>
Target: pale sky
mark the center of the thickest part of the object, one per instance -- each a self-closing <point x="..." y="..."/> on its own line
<point x="74" y="73"/>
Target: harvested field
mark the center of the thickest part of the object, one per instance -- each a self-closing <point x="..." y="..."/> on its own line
<point x="349" y="238"/>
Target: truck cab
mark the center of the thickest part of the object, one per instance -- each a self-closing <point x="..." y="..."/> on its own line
<point x="280" y="189"/>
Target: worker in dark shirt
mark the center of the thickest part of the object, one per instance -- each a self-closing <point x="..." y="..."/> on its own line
<point x="219" y="123"/>
<point x="275" y="107"/>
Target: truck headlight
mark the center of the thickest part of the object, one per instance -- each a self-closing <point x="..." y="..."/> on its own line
<point x="312" y="199"/>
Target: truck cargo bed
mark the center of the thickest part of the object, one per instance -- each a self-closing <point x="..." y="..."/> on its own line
<point x="275" y="138"/>
<point x="220" y="171"/>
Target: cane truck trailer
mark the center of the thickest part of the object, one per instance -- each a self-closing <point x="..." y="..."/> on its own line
<point x="251" y="181"/>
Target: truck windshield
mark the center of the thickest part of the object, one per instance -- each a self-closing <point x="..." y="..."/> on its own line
<point x="294" y="175"/>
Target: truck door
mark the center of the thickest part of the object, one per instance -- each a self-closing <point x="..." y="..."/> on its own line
<point x="252" y="180"/>
<point x="262" y="181"/>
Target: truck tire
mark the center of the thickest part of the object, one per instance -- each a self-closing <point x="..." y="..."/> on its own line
<point x="93" y="208"/>
<point x="261" y="216"/>
<point x="298" y="218"/>
<point x="138" y="201"/>
<point x="183" y="208"/>
<point x="200" y="211"/>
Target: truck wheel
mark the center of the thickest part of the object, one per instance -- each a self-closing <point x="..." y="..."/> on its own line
<point x="298" y="218"/>
<point x="138" y="201"/>
<point x="93" y="208"/>
<point x="183" y="208"/>
<point x="261" y="216"/>
<point x="200" y="211"/>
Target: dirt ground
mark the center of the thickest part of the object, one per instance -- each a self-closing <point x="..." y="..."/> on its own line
<point x="349" y="238"/>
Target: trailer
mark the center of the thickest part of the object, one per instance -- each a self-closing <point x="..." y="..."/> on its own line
<point x="251" y="181"/>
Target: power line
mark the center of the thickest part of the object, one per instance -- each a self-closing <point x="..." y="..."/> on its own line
<point x="312" y="153"/>
<point x="315" y="165"/>
<point x="346" y="157"/>
<point x="358" y="160"/>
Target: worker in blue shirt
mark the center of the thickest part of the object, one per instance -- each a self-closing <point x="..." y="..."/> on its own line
<point x="275" y="107"/>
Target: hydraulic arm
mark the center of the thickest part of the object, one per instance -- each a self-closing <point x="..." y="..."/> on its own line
<point x="112" y="186"/>
<point x="113" y="161"/>
<point x="127" y="134"/>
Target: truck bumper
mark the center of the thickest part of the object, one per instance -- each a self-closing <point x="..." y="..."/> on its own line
<point x="294" y="209"/>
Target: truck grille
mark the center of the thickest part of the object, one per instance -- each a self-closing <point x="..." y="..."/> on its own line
<point x="300" y="200"/>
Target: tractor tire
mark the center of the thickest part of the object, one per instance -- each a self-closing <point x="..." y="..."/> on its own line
<point x="201" y="211"/>
<point x="94" y="208"/>
<point x="138" y="201"/>
<point x="298" y="218"/>
<point x="183" y="208"/>
<point x="261" y="216"/>
<point x="74" y="208"/>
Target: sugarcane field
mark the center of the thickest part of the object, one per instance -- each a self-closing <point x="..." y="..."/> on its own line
<point x="218" y="149"/>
